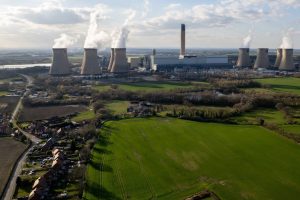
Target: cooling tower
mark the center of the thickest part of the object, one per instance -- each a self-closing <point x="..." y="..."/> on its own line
<point x="262" y="59"/>
<point x="111" y="61"/>
<point x="90" y="64"/>
<point x="244" y="58"/>
<point x="120" y="64"/>
<point x="278" y="58"/>
<point x="182" y="49"/>
<point x="60" y="63"/>
<point x="287" y="61"/>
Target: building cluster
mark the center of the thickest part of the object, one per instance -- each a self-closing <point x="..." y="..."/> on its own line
<point x="42" y="185"/>
<point x="5" y="128"/>
<point x="118" y="62"/>
<point x="90" y="65"/>
<point x="284" y="59"/>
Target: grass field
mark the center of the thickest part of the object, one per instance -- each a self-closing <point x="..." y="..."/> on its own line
<point x="162" y="158"/>
<point x="287" y="84"/>
<point x="85" y="115"/>
<point x="8" y="157"/>
<point x="269" y="115"/>
<point x="292" y="128"/>
<point x="146" y="86"/>
<point x="118" y="107"/>
<point x="46" y="112"/>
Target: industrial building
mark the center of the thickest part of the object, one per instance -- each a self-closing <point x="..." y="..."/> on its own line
<point x="90" y="64"/>
<point x="244" y="58"/>
<point x="60" y="62"/>
<point x="262" y="59"/>
<point x="111" y="60"/>
<point x="287" y="61"/>
<point x="278" y="58"/>
<point x="167" y="63"/>
<point x="119" y="64"/>
<point x="195" y="62"/>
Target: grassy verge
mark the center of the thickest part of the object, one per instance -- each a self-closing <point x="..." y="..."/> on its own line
<point x="165" y="158"/>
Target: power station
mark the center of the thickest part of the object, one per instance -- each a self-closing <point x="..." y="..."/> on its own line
<point x="120" y="64"/>
<point x="262" y="59"/>
<point x="111" y="61"/>
<point x="90" y="64"/>
<point x="278" y="58"/>
<point x="244" y="58"/>
<point x="287" y="61"/>
<point x="182" y="49"/>
<point x="60" y="62"/>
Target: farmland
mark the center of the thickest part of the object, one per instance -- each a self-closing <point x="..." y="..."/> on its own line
<point x="269" y="115"/>
<point x="286" y="84"/>
<point x="118" y="107"/>
<point x="146" y="86"/>
<point x="8" y="157"/>
<point x="85" y="115"/>
<point x="163" y="158"/>
<point x="8" y="104"/>
<point x="46" y="112"/>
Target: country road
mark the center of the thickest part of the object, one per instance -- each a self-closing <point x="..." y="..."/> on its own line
<point x="11" y="186"/>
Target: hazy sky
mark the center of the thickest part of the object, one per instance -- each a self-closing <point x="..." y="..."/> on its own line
<point x="155" y="23"/>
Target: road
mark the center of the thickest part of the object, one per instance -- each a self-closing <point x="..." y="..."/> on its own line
<point x="11" y="186"/>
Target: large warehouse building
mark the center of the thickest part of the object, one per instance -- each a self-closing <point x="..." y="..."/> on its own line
<point x="170" y="63"/>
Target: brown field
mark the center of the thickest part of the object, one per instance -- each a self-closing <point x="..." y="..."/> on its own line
<point x="8" y="104"/>
<point x="8" y="158"/>
<point x="46" y="112"/>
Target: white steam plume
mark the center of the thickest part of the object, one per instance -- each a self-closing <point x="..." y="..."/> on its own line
<point x="64" y="41"/>
<point x="287" y="40"/>
<point x="95" y="37"/>
<point x="247" y="40"/>
<point x="119" y="36"/>
<point x="146" y="8"/>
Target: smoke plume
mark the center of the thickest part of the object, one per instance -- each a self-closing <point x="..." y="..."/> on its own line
<point x="287" y="40"/>
<point x="64" y="41"/>
<point x="119" y="36"/>
<point x="146" y="8"/>
<point x="95" y="37"/>
<point x="247" y="40"/>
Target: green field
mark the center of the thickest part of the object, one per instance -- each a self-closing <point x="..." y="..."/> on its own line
<point x="146" y="86"/>
<point x="86" y="115"/>
<point x="10" y="151"/>
<point x="162" y="158"/>
<point x="269" y="115"/>
<point x="118" y="107"/>
<point x="292" y="128"/>
<point x="286" y="84"/>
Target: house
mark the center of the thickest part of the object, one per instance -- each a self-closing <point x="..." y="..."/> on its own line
<point x="37" y="194"/>
<point x="41" y="182"/>
<point x="50" y="142"/>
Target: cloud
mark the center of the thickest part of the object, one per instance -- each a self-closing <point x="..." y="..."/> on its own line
<point x="53" y="13"/>
<point x="210" y="15"/>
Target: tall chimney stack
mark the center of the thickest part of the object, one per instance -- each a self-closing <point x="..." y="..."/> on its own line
<point x="111" y="61"/>
<point x="262" y="59"/>
<point x="60" y="63"/>
<point x="244" y="58"/>
<point x="120" y="64"/>
<point x="182" y="49"/>
<point x="287" y="61"/>
<point x="278" y="58"/>
<point x="90" y="64"/>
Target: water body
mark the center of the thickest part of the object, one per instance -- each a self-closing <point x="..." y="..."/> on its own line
<point x="23" y="66"/>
